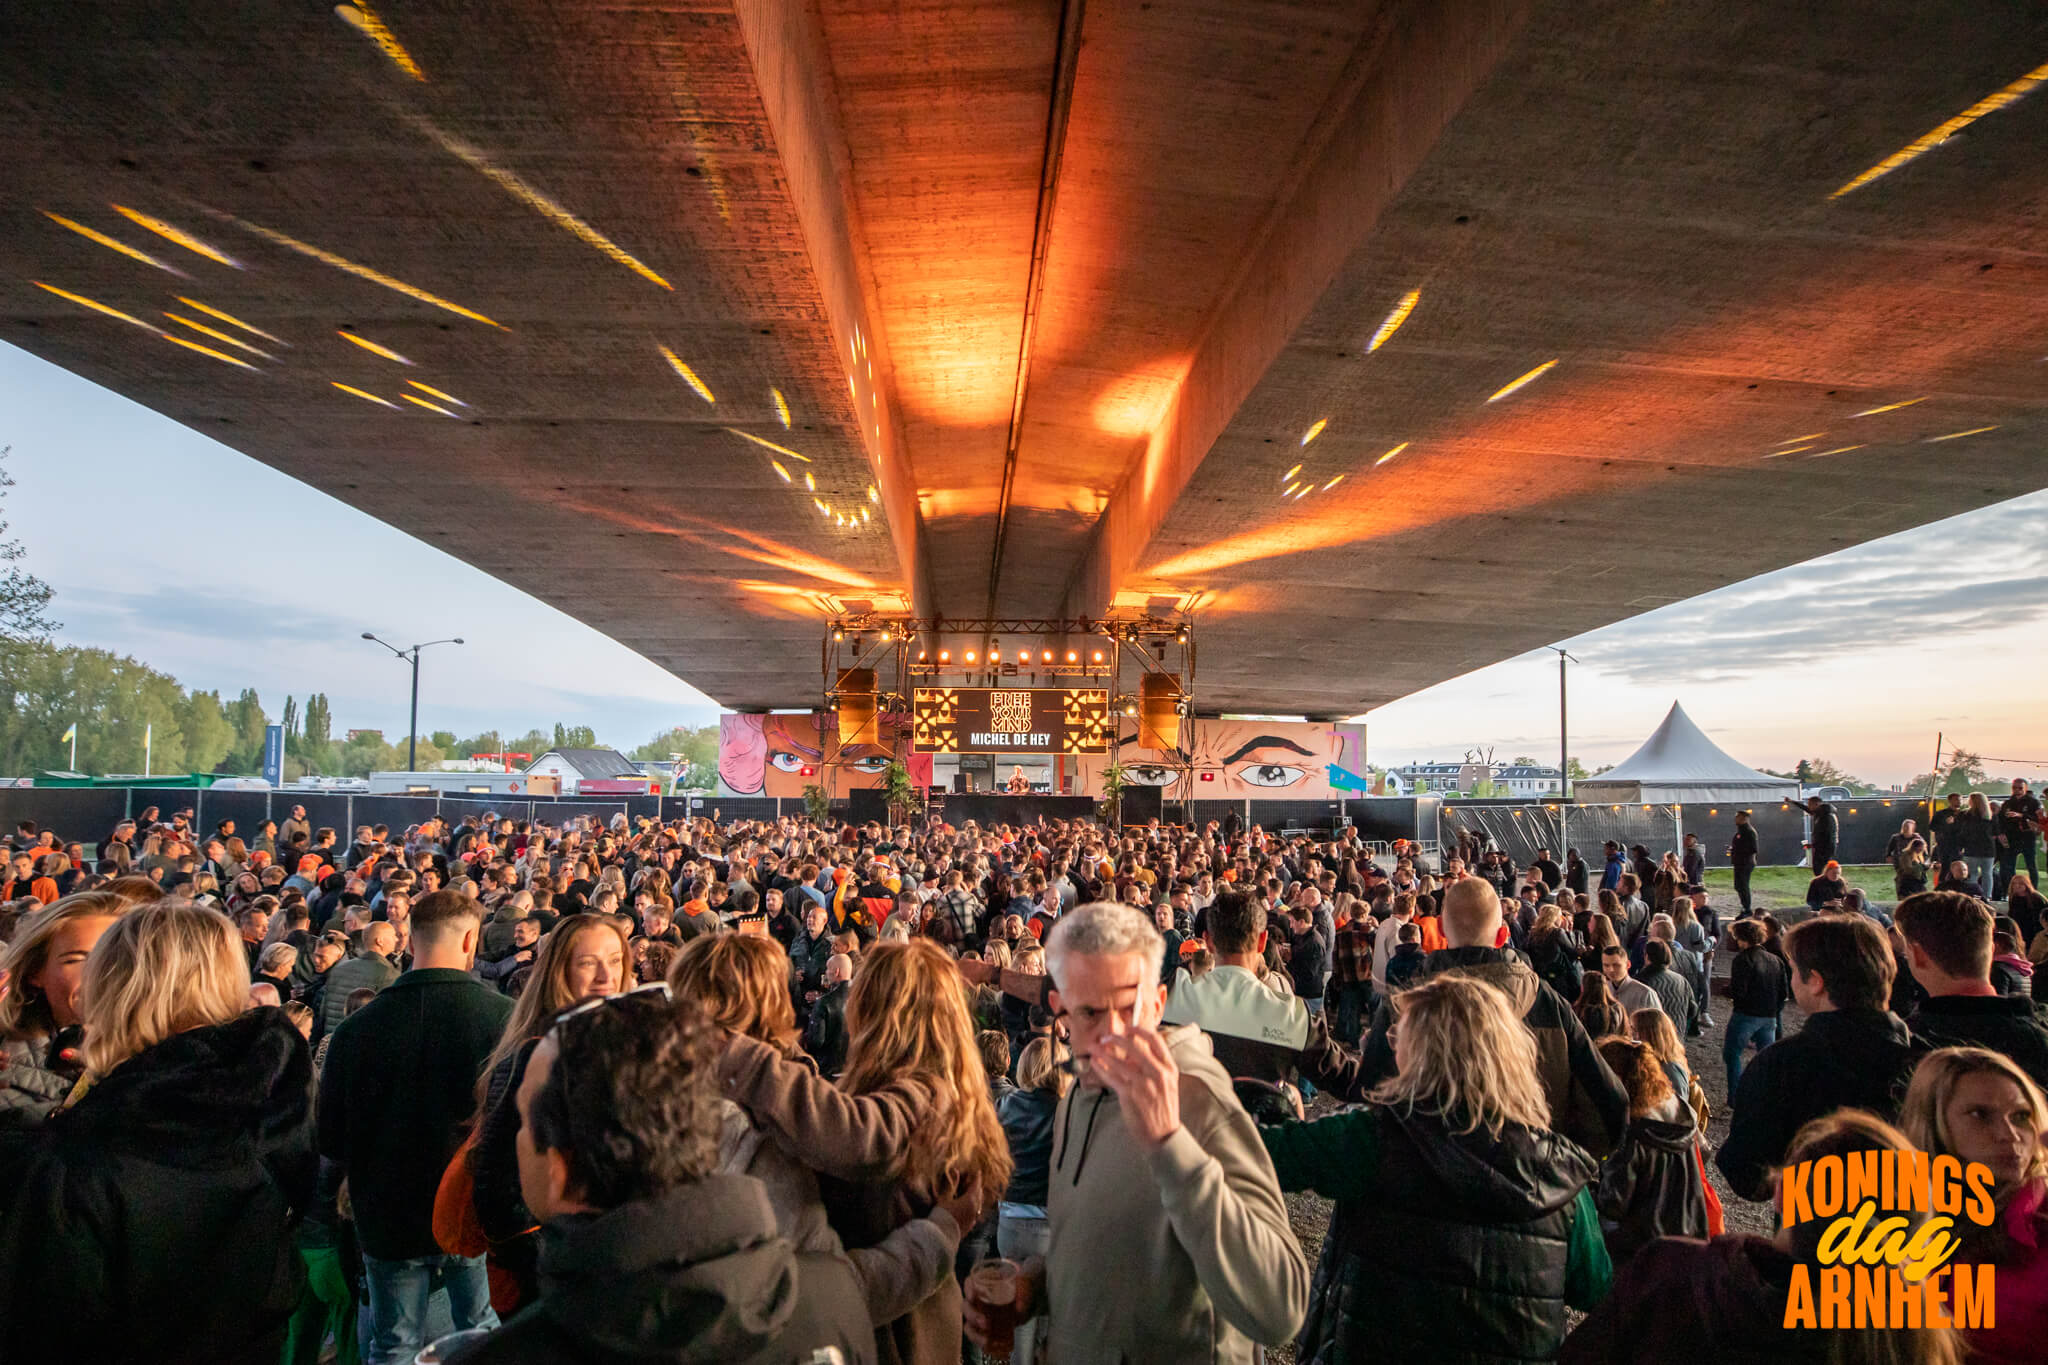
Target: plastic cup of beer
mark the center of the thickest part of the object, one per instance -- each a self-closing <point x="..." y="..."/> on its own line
<point x="992" y="1287"/>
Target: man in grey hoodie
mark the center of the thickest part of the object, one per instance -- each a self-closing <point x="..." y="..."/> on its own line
<point x="1158" y="1175"/>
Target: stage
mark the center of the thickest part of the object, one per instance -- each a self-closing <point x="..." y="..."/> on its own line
<point x="984" y="808"/>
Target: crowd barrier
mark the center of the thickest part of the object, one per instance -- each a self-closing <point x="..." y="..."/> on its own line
<point x="1521" y="827"/>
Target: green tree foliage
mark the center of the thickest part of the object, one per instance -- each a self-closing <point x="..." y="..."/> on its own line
<point x="24" y="598"/>
<point x="1575" y="769"/>
<point x="571" y="737"/>
<point x="444" y="740"/>
<point x="316" y="753"/>
<point x="115" y="701"/>
<point x="1821" y="772"/>
<point x="247" y="722"/>
<point x="699" y="746"/>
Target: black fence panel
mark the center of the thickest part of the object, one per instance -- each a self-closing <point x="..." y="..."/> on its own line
<point x="324" y="810"/>
<point x="167" y="800"/>
<point x="246" y="809"/>
<point x="1383" y="819"/>
<point x="733" y="807"/>
<point x="83" y="815"/>
<point x="1867" y="824"/>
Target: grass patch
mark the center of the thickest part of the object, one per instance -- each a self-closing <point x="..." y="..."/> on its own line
<point x="1780" y="888"/>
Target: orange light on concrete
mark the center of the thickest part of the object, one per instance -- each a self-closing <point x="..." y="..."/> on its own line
<point x="1890" y="407"/>
<point x="675" y="362"/>
<point x="361" y="272"/>
<point x="1920" y="146"/>
<point x="1838" y="450"/>
<point x="371" y="397"/>
<point x="216" y="334"/>
<point x="178" y="235"/>
<point x="780" y="469"/>
<point x="1315" y="430"/>
<point x="110" y="243"/>
<point x="1394" y="320"/>
<point x="1524" y="381"/>
<point x="770" y="445"/>
<point x="98" y="307"/>
<point x="372" y="347"/>
<point x="430" y="390"/>
<point x="231" y="320"/>
<point x="208" y="351"/>
<point x="1958" y="435"/>
<point x="1389" y="455"/>
<point x="360" y="17"/>
<point x="430" y="407"/>
<point x="781" y="407"/>
<point x="1810" y="436"/>
<point x="1288" y="477"/>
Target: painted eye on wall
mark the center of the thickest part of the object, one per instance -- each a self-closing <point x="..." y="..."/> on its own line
<point x="1270" y="774"/>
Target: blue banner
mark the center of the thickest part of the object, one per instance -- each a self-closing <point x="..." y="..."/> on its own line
<point x="1345" y="779"/>
<point x="273" y="755"/>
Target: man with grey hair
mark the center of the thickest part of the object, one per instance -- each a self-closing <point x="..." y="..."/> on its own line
<point x="1157" y="1171"/>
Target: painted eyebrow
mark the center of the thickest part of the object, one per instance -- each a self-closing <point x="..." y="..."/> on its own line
<point x="1267" y="742"/>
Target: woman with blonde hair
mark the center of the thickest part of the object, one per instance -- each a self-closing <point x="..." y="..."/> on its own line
<point x="41" y="1033"/>
<point x="909" y="1123"/>
<point x="1453" y="1161"/>
<point x="584" y="956"/>
<point x="1725" y="1298"/>
<point x="150" y="1218"/>
<point x="1979" y="1106"/>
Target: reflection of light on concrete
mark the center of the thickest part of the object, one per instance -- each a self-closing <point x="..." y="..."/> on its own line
<point x="539" y="202"/>
<point x="217" y="335"/>
<point x="176" y="234"/>
<point x="1528" y="378"/>
<point x="864" y="517"/>
<point x="1395" y="319"/>
<point x="98" y="307"/>
<point x="780" y="468"/>
<point x="1838" y="450"/>
<point x="1792" y="450"/>
<point x="781" y="407"/>
<point x="1390" y="454"/>
<point x="430" y="389"/>
<point x="360" y="17"/>
<point x="1289" y="475"/>
<point x="1333" y="483"/>
<point x="1889" y="407"/>
<point x="689" y="375"/>
<point x="350" y="388"/>
<point x="769" y="445"/>
<point x="1315" y="430"/>
<point x="430" y="407"/>
<point x="110" y="243"/>
<point x="207" y="350"/>
<point x="1953" y="435"/>
<point x="1288" y="491"/>
<point x="810" y="481"/>
<point x="1991" y="103"/>
<point x="231" y="320"/>
<point x="874" y="494"/>
<point x="373" y="348"/>
<point x="823" y="507"/>
<point x="1810" y="436"/>
<point x="361" y="272"/>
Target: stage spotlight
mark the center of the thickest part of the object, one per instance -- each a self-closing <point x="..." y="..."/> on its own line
<point x="945" y="656"/>
<point x="1096" y="657"/>
<point x="885" y="637"/>
<point x="970" y="656"/>
<point x="1047" y="656"/>
<point x="837" y="633"/>
<point x="1181" y="635"/>
<point x="1073" y="656"/>
<point x="995" y="654"/>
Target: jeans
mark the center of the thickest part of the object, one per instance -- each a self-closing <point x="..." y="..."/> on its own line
<point x="1353" y="1000"/>
<point x="1744" y="1029"/>
<point x="399" y="1291"/>
<point x="1980" y="872"/>
<point x="2009" y="859"/>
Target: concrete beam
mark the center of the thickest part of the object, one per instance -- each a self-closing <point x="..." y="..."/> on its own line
<point x="1407" y="77"/>
<point x="793" y="72"/>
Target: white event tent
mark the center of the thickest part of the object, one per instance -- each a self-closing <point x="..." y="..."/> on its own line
<point x="1679" y="764"/>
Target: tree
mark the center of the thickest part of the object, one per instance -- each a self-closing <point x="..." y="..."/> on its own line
<point x="24" y="598"/>
<point x="1522" y="761"/>
<point x="247" y="722"/>
<point x="316" y="743"/>
<point x="699" y="748"/>
<point x="121" y="709"/>
<point x="573" y="737"/>
<point x="1575" y="770"/>
<point x="533" y="742"/>
<point x="444" y="740"/>
<point x="208" y="736"/>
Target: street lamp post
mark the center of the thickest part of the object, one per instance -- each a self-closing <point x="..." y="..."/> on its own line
<point x="412" y="656"/>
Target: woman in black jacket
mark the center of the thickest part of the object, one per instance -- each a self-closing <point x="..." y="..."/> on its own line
<point x="1465" y="1224"/>
<point x="1653" y="1184"/>
<point x="40" y="1037"/>
<point x="151" y="1219"/>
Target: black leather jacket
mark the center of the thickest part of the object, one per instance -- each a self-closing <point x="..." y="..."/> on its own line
<point x="1652" y="1185"/>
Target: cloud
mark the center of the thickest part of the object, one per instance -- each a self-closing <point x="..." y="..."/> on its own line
<point x="1941" y="579"/>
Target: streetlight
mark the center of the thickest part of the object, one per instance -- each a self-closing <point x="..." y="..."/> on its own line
<point x="412" y="656"/>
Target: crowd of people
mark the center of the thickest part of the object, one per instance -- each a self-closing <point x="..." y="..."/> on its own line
<point x="507" y="1091"/>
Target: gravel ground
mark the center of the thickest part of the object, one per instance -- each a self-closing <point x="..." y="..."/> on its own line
<point x="1311" y="1215"/>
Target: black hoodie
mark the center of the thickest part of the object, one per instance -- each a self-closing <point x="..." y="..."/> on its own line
<point x="152" y="1220"/>
<point x="696" y="1275"/>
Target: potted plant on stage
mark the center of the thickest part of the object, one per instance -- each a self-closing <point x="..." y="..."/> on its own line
<point x="1110" y="810"/>
<point x="905" y="797"/>
<point x="817" y="805"/>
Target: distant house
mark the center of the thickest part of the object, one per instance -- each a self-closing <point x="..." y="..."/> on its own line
<point x="573" y="767"/>
<point x="1443" y="778"/>
<point x="1523" y="779"/>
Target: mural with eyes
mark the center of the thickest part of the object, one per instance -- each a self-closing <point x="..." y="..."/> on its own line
<point x="768" y="756"/>
<point x="1242" y="759"/>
